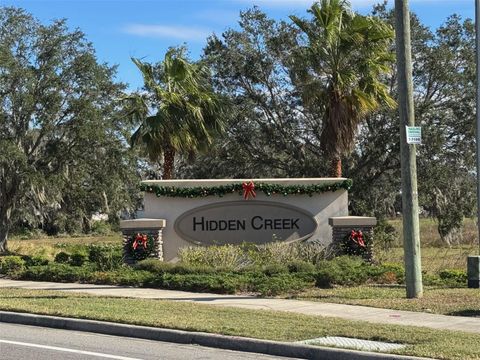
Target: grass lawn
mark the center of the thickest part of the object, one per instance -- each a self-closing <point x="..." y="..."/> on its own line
<point x="436" y="255"/>
<point x="429" y="234"/>
<point x="434" y="259"/>
<point x="447" y="301"/>
<point x="50" y="246"/>
<point x="260" y="324"/>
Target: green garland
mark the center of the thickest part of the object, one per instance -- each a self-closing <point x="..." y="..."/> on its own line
<point x="267" y="189"/>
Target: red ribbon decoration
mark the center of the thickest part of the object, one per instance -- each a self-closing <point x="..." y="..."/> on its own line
<point x="248" y="190"/>
<point x="140" y="239"/>
<point x="357" y="237"/>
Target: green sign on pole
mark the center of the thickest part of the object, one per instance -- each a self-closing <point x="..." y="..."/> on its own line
<point x="414" y="135"/>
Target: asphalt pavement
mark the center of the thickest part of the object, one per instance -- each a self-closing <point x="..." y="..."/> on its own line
<point x="40" y="343"/>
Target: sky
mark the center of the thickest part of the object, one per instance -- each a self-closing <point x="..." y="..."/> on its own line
<point x="121" y="29"/>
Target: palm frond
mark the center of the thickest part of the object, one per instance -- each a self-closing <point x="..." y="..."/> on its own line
<point x="186" y="112"/>
<point x="347" y="54"/>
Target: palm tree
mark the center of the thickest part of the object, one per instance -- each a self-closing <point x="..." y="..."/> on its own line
<point x="346" y="55"/>
<point x="178" y="112"/>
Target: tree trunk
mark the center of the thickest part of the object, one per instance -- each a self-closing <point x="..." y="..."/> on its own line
<point x="336" y="167"/>
<point x="4" y="228"/>
<point x="168" y="162"/>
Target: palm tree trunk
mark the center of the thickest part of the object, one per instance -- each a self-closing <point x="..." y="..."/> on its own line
<point x="336" y="167"/>
<point x="168" y="162"/>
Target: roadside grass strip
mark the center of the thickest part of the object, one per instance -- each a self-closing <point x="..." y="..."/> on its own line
<point x="260" y="324"/>
<point x="437" y="300"/>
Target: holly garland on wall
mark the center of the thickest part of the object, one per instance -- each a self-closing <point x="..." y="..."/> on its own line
<point x="222" y="190"/>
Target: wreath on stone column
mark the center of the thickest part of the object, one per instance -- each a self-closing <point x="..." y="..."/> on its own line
<point x="140" y="246"/>
<point x="356" y="243"/>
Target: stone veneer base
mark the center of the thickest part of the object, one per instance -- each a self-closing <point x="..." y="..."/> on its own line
<point x="343" y="225"/>
<point x="152" y="227"/>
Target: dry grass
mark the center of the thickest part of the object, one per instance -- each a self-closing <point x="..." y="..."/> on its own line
<point x="429" y="234"/>
<point x="50" y="246"/>
<point x="434" y="259"/>
<point x="436" y="255"/>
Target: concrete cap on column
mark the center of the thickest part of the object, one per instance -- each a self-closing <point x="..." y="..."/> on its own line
<point x="143" y="224"/>
<point x="352" y="221"/>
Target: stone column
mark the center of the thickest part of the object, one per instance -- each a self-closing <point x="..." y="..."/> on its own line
<point x="153" y="227"/>
<point x="343" y="225"/>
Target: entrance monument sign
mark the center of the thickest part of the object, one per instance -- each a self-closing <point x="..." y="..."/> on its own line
<point x="232" y="211"/>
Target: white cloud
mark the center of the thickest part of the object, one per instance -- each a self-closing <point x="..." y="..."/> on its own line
<point x="166" y="31"/>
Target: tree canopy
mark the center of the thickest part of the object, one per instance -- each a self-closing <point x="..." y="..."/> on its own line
<point x="344" y="59"/>
<point x="58" y="131"/>
<point x="290" y="97"/>
<point x="186" y="112"/>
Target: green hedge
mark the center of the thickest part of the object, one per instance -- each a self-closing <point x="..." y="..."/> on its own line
<point x="269" y="279"/>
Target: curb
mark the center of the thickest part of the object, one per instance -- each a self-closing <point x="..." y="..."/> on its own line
<point x="198" y="338"/>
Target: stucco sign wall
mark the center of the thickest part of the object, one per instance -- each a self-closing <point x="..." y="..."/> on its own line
<point x="227" y="218"/>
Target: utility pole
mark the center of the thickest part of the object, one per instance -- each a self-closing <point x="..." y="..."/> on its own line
<point x="411" y="226"/>
<point x="473" y="262"/>
<point x="477" y="52"/>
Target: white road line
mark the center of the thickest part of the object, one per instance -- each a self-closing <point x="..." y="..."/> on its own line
<point x="108" y="356"/>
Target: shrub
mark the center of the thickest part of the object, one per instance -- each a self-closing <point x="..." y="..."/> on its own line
<point x="385" y="235"/>
<point x="78" y="258"/>
<point x="11" y="265"/>
<point x="281" y="283"/>
<point x="300" y="266"/>
<point x="224" y="256"/>
<point x="432" y="279"/>
<point x="35" y="260"/>
<point x="192" y="269"/>
<point x="105" y="257"/>
<point x="312" y="251"/>
<point x="62" y="257"/>
<point x="59" y="272"/>
<point x="387" y="273"/>
<point x="274" y="269"/>
<point x="159" y="267"/>
<point x="101" y="227"/>
<point x="271" y="253"/>
<point x="154" y="266"/>
<point x="124" y="276"/>
<point x="224" y="283"/>
<point x="25" y="233"/>
<point x="247" y="255"/>
<point x="453" y="277"/>
<point x="343" y="270"/>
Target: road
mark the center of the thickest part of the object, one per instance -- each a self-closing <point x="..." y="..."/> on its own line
<point x="37" y="343"/>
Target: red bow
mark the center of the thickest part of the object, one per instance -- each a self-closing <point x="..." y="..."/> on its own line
<point x="248" y="190"/>
<point x="140" y="239"/>
<point x="357" y="237"/>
